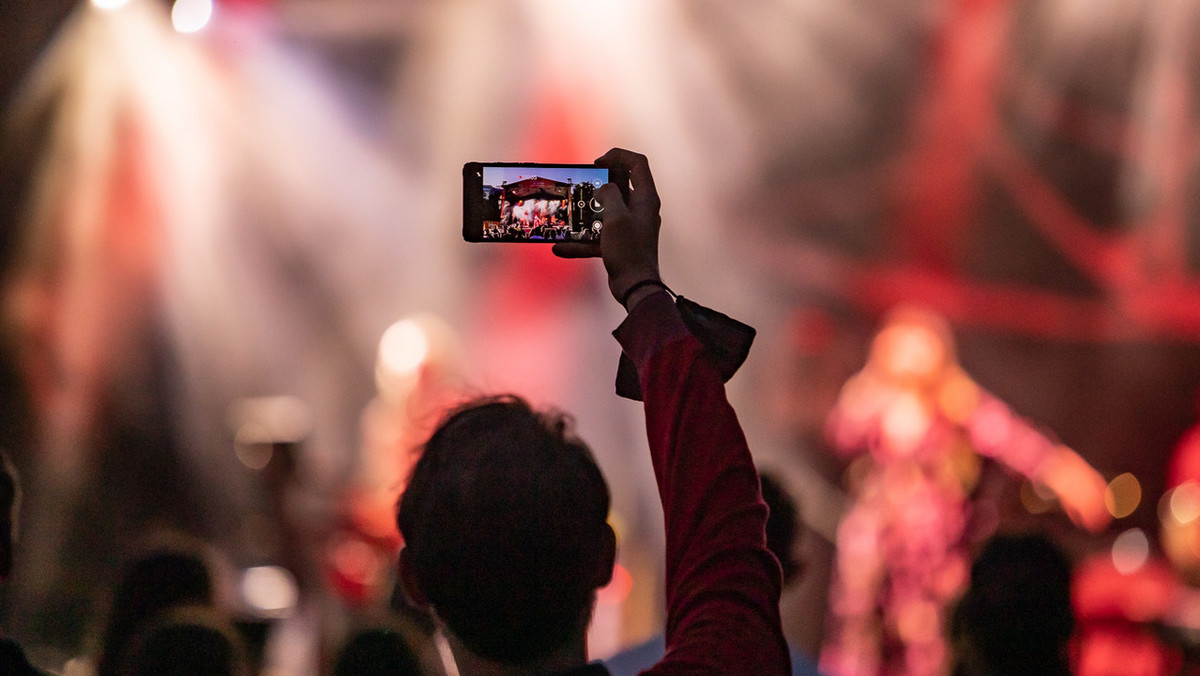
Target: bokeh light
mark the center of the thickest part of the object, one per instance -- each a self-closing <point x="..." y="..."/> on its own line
<point x="109" y="4"/>
<point x="1036" y="498"/>
<point x="1123" y="495"/>
<point x="403" y="348"/>
<point x="1183" y="502"/>
<point x="618" y="589"/>
<point x="1130" y="551"/>
<point x="269" y="591"/>
<point x="266" y="420"/>
<point x="357" y="561"/>
<point x="189" y="16"/>
<point x="250" y="448"/>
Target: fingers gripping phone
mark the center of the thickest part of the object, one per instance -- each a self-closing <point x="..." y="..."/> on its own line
<point x="529" y="202"/>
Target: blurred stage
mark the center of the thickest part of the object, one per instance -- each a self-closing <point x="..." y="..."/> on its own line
<point x="192" y="219"/>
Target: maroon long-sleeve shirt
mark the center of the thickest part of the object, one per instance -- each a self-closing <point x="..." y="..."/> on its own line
<point x="723" y="583"/>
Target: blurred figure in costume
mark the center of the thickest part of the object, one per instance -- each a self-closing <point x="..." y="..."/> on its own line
<point x="921" y="425"/>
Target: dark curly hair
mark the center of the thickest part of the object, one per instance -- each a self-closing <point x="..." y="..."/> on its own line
<point x="505" y="528"/>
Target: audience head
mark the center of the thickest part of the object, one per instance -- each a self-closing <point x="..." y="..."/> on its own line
<point x="782" y="525"/>
<point x="505" y="525"/>
<point x="378" y="651"/>
<point x="171" y="572"/>
<point x="10" y="503"/>
<point x="186" y="641"/>
<point x="1016" y="614"/>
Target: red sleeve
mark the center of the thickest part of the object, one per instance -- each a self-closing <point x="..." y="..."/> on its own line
<point x="723" y="583"/>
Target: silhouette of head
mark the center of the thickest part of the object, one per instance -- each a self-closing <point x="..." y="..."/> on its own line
<point x="378" y="651"/>
<point x="171" y="573"/>
<point x="10" y="502"/>
<point x="782" y="525"/>
<point x="505" y="525"/>
<point x="1016" y="615"/>
<point x="186" y="641"/>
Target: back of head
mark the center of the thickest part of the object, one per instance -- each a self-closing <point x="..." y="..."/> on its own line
<point x="1016" y="614"/>
<point x="782" y="525"/>
<point x="10" y="499"/>
<point x="188" y="641"/>
<point x="379" y="651"/>
<point x="170" y="573"/>
<point x="505" y="527"/>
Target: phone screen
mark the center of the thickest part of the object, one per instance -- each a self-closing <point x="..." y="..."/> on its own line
<point x="526" y="202"/>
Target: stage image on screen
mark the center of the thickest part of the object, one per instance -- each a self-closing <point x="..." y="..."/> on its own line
<point x="541" y="203"/>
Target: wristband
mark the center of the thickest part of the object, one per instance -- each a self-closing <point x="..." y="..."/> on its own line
<point x="645" y="282"/>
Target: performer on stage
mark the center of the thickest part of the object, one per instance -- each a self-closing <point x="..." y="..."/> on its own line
<point x="920" y="426"/>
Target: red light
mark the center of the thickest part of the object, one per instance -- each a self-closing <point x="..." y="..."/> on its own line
<point x="617" y="590"/>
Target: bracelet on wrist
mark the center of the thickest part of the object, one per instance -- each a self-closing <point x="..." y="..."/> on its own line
<point x="624" y="299"/>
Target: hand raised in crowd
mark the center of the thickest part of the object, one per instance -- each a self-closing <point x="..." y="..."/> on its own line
<point x="629" y="240"/>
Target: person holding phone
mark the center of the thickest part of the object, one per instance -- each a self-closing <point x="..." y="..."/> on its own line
<point x="504" y="517"/>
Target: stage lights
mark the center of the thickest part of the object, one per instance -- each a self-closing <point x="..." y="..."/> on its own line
<point x="1179" y="516"/>
<point x="418" y="352"/>
<point x="259" y="423"/>
<point x="269" y="591"/>
<point x="1130" y="551"/>
<point x="618" y="589"/>
<point x="403" y="348"/>
<point x="1123" y="495"/>
<point x="1036" y="498"/>
<point x="1183" y="503"/>
<point x="189" y="16"/>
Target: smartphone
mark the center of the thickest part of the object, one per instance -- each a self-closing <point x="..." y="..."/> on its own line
<point x="529" y="202"/>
